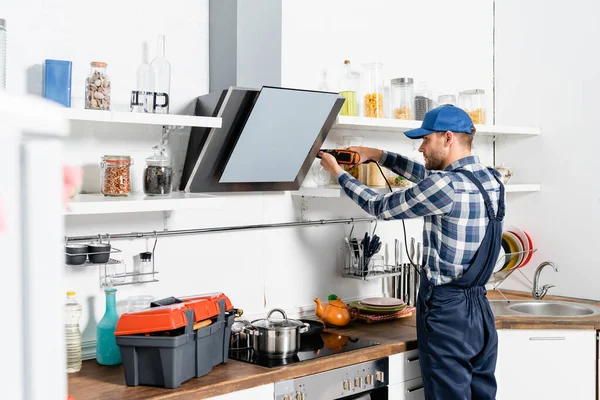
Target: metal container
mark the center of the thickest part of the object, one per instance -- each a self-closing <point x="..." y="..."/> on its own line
<point x="76" y="253"/>
<point x="276" y="338"/>
<point x="240" y="340"/>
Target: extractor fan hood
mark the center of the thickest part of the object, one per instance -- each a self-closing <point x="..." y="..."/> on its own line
<point x="268" y="140"/>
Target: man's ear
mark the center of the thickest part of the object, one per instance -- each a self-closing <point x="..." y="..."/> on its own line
<point x="449" y="138"/>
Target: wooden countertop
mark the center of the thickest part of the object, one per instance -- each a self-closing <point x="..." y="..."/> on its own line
<point x="99" y="382"/>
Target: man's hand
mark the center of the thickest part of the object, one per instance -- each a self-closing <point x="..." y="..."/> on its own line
<point x="330" y="164"/>
<point x="367" y="153"/>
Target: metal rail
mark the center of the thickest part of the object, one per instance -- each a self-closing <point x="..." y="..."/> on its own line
<point x="154" y="234"/>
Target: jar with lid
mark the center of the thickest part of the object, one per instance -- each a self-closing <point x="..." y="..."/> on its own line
<point x="447" y="99"/>
<point x="97" y="87"/>
<point x="402" y="98"/>
<point x="473" y="102"/>
<point x="158" y="174"/>
<point x="423" y="101"/>
<point x="116" y="175"/>
<point x="373" y="89"/>
<point x="357" y="171"/>
<point x="348" y="89"/>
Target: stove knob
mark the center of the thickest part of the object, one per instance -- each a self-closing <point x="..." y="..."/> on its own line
<point x="380" y="376"/>
<point x="358" y="381"/>
<point x="300" y="396"/>
<point x="369" y="379"/>
<point x="347" y="385"/>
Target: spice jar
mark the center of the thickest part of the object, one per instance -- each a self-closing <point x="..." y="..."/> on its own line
<point x="158" y="174"/>
<point x="97" y="87"/>
<point x="373" y="87"/>
<point x="473" y="102"/>
<point x="402" y="98"/>
<point x="116" y="176"/>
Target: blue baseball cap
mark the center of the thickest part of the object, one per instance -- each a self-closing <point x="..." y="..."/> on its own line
<point x="441" y="119"/>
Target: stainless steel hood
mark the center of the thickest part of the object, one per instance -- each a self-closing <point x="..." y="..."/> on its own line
<point x="268" y="140"/>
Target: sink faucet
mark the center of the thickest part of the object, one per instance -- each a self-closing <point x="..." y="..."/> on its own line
<point x="540" y="292"/>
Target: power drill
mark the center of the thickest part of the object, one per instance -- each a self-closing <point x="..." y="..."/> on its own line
<point x="344" y="157"/>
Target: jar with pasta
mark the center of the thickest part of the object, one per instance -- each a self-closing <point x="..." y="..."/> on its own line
<point x="116" y="175"/>
<point x="402" y="98"/>
<point x="372" y="89"/>
<point x="473" y="101"/>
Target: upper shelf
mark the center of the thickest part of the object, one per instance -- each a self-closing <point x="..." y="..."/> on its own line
<point x="333" y="191"/>
<point x="399" y="125"/>
<point x="124" y="117"/>
<point x="87" y="204"/>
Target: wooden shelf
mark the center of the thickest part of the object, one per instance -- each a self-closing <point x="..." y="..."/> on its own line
<point x="124" y="117"/>
<point x="398" y="125"/>
<point x="87" y="204"/>
<point x="336" y="191"/>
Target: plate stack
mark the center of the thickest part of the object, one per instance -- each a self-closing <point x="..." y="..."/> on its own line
<point x="378" y="309"/>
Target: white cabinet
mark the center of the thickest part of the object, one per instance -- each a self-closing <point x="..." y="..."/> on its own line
<point x="264" y="392"/>
<point x="405" y="377"/>
<point x="546" y="364"/>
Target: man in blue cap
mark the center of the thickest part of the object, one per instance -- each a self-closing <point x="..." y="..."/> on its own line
<point x="462" y="205"/>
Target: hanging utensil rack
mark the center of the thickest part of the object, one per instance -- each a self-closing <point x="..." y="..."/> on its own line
<point x="499" y="277"/>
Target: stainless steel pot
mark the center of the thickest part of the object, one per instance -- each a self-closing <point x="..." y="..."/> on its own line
<point x="276" y="338"/>
<point x="240" y="340"/>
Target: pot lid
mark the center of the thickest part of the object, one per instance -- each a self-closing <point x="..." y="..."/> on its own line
<point x="272" y="323"/>
<point x="159" y="159"/>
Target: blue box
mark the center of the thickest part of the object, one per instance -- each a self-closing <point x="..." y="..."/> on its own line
<point x="57" y="81"/>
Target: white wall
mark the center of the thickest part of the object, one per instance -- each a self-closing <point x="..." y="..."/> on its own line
<point x="259" y="270"/>
<point x="547" y="75"/>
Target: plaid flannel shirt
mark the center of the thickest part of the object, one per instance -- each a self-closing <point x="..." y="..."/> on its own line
<point x="455" y="219"/>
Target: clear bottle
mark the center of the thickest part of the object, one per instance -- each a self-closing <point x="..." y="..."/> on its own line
<point x="97" y="87"/>
<point x="348" y="88"/>
<point x="473" y="102"/>
<point x="158" y="174"/>
<point x="2" y="53"/>
<point x="402" y="98"/>
<point x="373" y="89"/>
<point x="73" y="333"/>
<point x="160" y="80"/>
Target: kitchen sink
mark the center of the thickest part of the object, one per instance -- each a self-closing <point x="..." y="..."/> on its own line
<point x="543" y="308"/>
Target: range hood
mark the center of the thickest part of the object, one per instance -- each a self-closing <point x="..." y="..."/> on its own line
<point x="268" y="140"/>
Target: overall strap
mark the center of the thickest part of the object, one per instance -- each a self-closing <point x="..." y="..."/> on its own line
<point x="486" y="197"/>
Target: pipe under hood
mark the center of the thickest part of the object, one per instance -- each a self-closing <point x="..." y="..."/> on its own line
<point x="268" y="139"/>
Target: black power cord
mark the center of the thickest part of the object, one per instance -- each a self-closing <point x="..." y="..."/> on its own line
<point x="403" y="224"/>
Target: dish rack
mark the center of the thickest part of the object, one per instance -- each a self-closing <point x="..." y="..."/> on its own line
<point x="356" y="267"/>
<point x="499" y="277"/>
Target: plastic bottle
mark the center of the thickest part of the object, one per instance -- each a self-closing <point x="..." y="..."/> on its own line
<point x="107" y="350"/>
<point x="73" y="333"/>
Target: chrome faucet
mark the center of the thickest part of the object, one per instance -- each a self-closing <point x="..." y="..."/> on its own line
<point x="540" y="292"/>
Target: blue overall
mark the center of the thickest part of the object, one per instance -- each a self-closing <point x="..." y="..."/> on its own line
<point x="456" y="333"/>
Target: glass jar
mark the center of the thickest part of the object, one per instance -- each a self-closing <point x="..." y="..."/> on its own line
<point x="372" y="88"/>
<point x="357" y="171"/>
<point x="116" y="175"/>
<point x="447" y="99"/>
<point x="473" y="102"/>
<point x="2" y="54"/>
<point x="348" y="89"/>
<point x="423" y="101"/>
<point x="158" y="174"/>
<point x="97" y="87"/>
<point x="402" y="98"/>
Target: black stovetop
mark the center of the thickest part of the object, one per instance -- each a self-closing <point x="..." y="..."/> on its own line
<point x="323" y="345"/>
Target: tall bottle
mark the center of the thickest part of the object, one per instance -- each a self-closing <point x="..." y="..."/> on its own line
<point x="2" y="53"/>
<point x="160" y="79"/>
<point x="107" y="350"/>
<point x="348" y="88"/>
<point x="73" y="333"/>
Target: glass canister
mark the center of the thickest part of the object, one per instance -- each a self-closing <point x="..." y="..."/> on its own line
<point x="473" y="102"/>
<point x="2" y="53"/>
<point x="116" y="175"/>
<point x="158" y="174"/>
<point x="357" y="171"/>
<point x="423" y="101"/>
<point x="402" y="98"/>
<point x="97" y="87"/>
<point x="447" y="99"/>
<point x="348" y="89"/>
<point x="373" y="89"/>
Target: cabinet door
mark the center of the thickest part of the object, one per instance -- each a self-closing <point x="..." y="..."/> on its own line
<point x="409" y="390"/>
<point x="546" y="364"/>
<point x="264" y="392"/>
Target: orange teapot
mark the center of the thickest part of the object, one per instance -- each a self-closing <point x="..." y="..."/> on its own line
<point x="335" y="312"/>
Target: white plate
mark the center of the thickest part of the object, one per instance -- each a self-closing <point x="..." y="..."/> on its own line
<point x="381" y="302"/>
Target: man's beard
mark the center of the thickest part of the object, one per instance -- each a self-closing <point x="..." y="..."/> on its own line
<point x="435" y="161"/>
